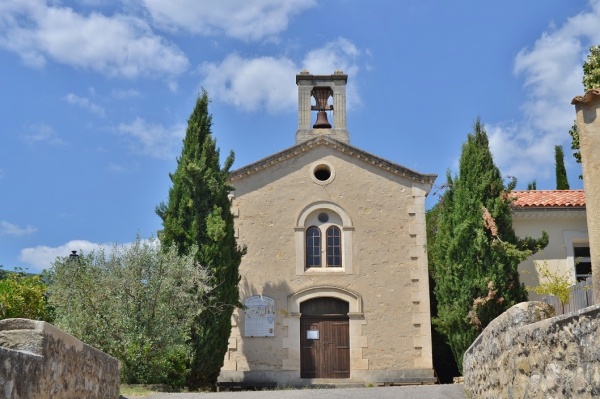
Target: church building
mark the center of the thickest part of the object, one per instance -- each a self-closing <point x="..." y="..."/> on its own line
<point x="335" y="282"/>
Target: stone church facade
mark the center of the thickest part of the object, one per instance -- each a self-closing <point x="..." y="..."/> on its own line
<point x="335" y="281"/>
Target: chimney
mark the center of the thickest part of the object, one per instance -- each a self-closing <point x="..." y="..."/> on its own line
<point x="323" y="89"/>
<point x="588" y="124"/>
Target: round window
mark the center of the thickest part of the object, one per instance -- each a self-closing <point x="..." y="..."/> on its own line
<point x="323" y="217"/>
<point x="322" y="173"/>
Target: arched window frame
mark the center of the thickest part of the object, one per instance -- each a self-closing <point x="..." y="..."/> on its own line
<point x="345" y="228"/>
<point x="313" y="247"/>
<point x="333" y="246"/>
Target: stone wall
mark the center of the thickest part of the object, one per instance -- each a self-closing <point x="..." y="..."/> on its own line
<point x="39" y="361"/>
<point x="524" y="354"/>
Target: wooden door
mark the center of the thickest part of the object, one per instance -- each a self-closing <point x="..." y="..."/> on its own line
<point x="324" y="346"/>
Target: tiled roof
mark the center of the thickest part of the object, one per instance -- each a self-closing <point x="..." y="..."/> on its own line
<point x="587" y="97"/>
<point x="548" y="198"/>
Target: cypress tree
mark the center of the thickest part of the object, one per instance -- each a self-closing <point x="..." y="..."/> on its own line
<point x="442" y="356"/>
<point x="475" y="253"/>
<point x="198" y="212"/>
<point x="562" y="183"/>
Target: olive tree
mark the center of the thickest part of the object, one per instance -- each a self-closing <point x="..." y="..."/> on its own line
<point x="135" y="302"/>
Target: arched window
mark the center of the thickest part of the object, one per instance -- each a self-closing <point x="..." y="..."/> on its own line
<point x="331" y="240"/>
<point x="323" y="239"/>
<point x="334" y="247"/>
<point x="313" y="247"/>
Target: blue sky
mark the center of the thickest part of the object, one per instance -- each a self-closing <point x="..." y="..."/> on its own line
<point x="96" y="95"/>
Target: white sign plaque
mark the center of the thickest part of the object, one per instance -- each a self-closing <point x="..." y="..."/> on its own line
<point x="259" y="316"/>
<point x="312" y="334"/>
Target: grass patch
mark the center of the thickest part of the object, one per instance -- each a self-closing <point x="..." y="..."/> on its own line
<point x="137" y="391"/>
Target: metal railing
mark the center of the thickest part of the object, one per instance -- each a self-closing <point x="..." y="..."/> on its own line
<point x="581" y="296"/>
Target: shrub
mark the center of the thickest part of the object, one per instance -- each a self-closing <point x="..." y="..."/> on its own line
<point x="24" y="296"/>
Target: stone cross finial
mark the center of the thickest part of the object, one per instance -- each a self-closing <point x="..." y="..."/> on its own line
<point x="588" y="124"/>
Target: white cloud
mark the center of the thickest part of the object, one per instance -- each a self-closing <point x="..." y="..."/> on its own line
<point x="552" y="74"/>
<point x="254" y="84"/>
<point x="42" y="133"/>
<point x="116" y="168"/>
<point x="9" y="229"/>
<point x="118" y="45"/>
<point x="125" y="93"/>
<point x="338" y="54"/>
<point x="241" y="19"/>
<point x="42" y="256"/>
<point x="84" y="102"/>
<point x="172" y="85"/>
<point x="154" y="140"/>
<point x="522" y="152"/>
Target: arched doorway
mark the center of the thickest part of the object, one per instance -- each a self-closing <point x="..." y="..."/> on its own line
<point x="324" y="338"/>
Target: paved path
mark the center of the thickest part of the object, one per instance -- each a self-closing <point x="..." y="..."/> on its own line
<point x="403" y="392"/>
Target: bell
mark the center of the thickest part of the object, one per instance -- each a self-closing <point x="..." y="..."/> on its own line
<point x="321" y="95"/>
<point x="322" y="122"/>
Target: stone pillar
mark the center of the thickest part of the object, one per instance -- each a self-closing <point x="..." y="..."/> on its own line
<point x="588" y="123"/>
<point x="339" y="106"/>
<point x="304" y="107"/>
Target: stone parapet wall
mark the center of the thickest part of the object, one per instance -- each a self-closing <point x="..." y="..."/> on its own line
<point x="39" y="361"/>
<point x="525" y="354"/>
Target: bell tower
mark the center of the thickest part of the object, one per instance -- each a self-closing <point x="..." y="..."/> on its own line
<point x="321" y="88"/>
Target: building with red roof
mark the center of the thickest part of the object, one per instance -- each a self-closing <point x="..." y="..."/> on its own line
<point x="562" y="214"/>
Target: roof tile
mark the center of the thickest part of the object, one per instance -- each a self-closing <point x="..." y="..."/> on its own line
<point x="548" y="198"/>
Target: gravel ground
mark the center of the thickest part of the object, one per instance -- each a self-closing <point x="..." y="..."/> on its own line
<point x="455" y="391"/>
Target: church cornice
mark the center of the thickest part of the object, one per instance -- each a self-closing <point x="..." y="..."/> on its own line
<point x="354" y="152"/>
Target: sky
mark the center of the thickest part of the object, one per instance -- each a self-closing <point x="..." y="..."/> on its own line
<point x="96" y="95"/>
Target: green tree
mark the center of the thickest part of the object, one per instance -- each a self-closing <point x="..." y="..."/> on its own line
<point x="591" y="80"/>
<point x="475" y="252"/>
<point x="532" y="185"/>
<point x="135" y="303"/>
<point x="443" y="359"/>
<point x="562" y="183"/>
<point x="197" y="217"/>
<point x="23" y="296"/>
<point x="591" y="69"/>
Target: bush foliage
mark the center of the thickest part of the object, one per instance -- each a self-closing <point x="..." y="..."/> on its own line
<point x="591" y="80"/>
<point x="553" y="283"/>
<point x="23" y="296"/>
<point x="135" y="303"/>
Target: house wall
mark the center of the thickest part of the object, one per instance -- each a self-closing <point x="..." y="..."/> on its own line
<point x="587" y="108"/>
<point x="386" y="287"/>
<point x="563" y="228"/>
